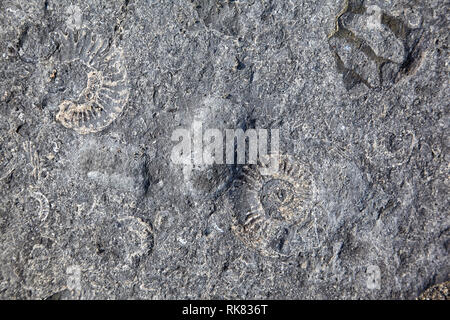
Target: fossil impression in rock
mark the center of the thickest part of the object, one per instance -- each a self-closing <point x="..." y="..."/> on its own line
<point x="268" y="209"/>
<point x="93" y="75"/>
<point x="373" y="47"/>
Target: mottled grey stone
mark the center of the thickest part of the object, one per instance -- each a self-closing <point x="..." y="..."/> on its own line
<point x="359" y="90"/>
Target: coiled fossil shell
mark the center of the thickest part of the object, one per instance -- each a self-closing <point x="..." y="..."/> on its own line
<point x="44" y="206"/>
<point x="94" y="101"/>
<point x="267" y="208"/>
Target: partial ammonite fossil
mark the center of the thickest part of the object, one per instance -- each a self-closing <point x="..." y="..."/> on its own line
<point x="373" y="47"/>
<point x="124" y="240"/>
<point x="268" y="209"/>
<point x="44" y="205"/>
<point x="93" y="76"/>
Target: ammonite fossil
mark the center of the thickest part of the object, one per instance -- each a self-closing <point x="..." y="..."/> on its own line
<point x="268" y="209"/>
<point x="125" y="240"/>
<point x="44" y="205"/>
<point x="92" y="74"/>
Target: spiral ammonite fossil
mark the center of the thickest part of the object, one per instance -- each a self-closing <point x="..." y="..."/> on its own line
<point x="268" y="209"/>
<point x="92" y="73"/>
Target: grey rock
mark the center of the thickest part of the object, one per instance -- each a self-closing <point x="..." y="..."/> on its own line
<point x="93" y="207"/>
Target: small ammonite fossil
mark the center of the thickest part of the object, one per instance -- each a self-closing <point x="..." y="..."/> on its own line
<point x="268" y="209"/>
<point x="127" y="239"/>
<point x="92" y="74"/>
<point x="44" y="205"/>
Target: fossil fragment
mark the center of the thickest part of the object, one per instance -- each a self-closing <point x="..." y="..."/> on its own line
<point x="219" y="16"/>
<point x="94" y="78"/>
<point x="8" y="151"/>
<point x="267" y="209"/>
<point x="127" y="239"/>
<point x="34" y="159"/>
<point x="373" y="47"/>
<point x="43" y="204"/>
<point x="7" y="160"/>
